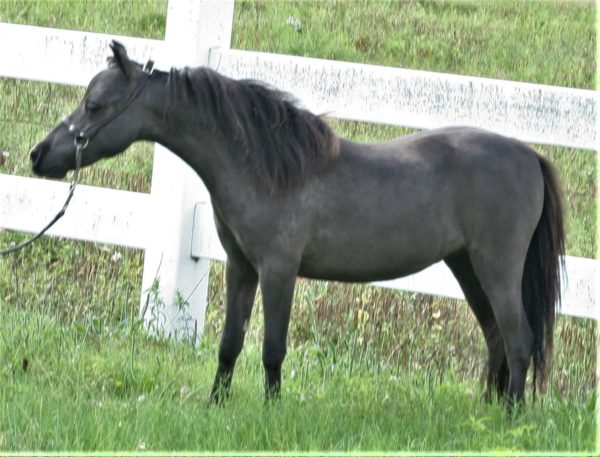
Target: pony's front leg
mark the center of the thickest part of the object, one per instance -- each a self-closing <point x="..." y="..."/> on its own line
<point x="242" y="281"/>
<point x="277" y="286"/>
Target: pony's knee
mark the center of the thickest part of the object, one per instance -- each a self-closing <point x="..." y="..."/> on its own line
<point x="229" y="350"/>
<point x="273" y="356"/>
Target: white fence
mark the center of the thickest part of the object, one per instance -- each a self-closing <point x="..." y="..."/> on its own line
<point x="174" y="222"/>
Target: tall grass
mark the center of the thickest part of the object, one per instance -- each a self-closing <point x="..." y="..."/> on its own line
<point x="367" y="368"/>
<point x="87" y="387"/>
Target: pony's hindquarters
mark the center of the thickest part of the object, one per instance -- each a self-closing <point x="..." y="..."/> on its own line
<point x="509" y="268"/>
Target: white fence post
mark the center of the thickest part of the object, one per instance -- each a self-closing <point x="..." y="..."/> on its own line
<point x="174" y="284"/>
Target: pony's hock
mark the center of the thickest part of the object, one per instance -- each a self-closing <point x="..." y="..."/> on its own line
<point x="290" y="198"/>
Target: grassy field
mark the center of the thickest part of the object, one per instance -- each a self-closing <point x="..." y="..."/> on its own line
<point x="368" y="369"/>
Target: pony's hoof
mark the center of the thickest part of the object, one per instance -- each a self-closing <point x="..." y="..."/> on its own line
<point x="217" y="397"/>
<point x="272" y="397"/>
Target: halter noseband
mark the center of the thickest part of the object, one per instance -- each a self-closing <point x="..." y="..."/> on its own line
<point x="83" y="136"/>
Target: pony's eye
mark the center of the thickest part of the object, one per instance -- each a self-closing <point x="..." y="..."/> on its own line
<point x="92" y="107"/>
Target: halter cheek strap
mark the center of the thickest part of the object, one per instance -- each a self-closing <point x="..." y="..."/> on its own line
<point x="82" y="136"/>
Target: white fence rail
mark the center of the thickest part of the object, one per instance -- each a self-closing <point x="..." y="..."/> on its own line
<point x="422" y="99"/>
<point x="531" y="112"/>
<point x="579" y="293"/>
<point x="95" y="214"/>
<point x="63" y="56"/>
<point x="411" y="98"/>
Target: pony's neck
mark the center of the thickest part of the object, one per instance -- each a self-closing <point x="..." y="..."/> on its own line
<point x="174" y="123"/>
<point x="259" y="132"/>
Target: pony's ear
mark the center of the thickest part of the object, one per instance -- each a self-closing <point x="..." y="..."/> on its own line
<point x="120" y="58"/>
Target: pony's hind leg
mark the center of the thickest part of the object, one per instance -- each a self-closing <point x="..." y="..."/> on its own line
<point x="500" y="277"/>
<point x="242" y="281"/>
<point x="497" y="369"/>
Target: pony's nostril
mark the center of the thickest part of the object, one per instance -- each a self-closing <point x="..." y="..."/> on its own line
<point x="34" y="154"/>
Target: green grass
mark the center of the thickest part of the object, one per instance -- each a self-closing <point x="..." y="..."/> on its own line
<point x="367" y="368"/>
<point x="551" y="42"/>
<point x="85" y="387"/>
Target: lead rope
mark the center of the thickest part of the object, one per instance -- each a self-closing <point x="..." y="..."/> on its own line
<point x="80" y="145"/>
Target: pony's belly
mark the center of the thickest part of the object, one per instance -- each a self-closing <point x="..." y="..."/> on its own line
<point x="360" y="275"/>
<point x="362" y="267"/>
<point x="390" y="249"/>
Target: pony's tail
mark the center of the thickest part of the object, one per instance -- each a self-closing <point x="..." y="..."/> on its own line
<point x="542" y="275"/>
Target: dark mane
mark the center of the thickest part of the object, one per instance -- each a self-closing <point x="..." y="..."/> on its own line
<point x="280" y="141"/>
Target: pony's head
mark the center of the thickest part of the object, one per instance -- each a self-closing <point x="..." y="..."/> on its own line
<point x="106" y="121"/>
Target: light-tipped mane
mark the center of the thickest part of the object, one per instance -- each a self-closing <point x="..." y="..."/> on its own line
<point x="279" y="141"/>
